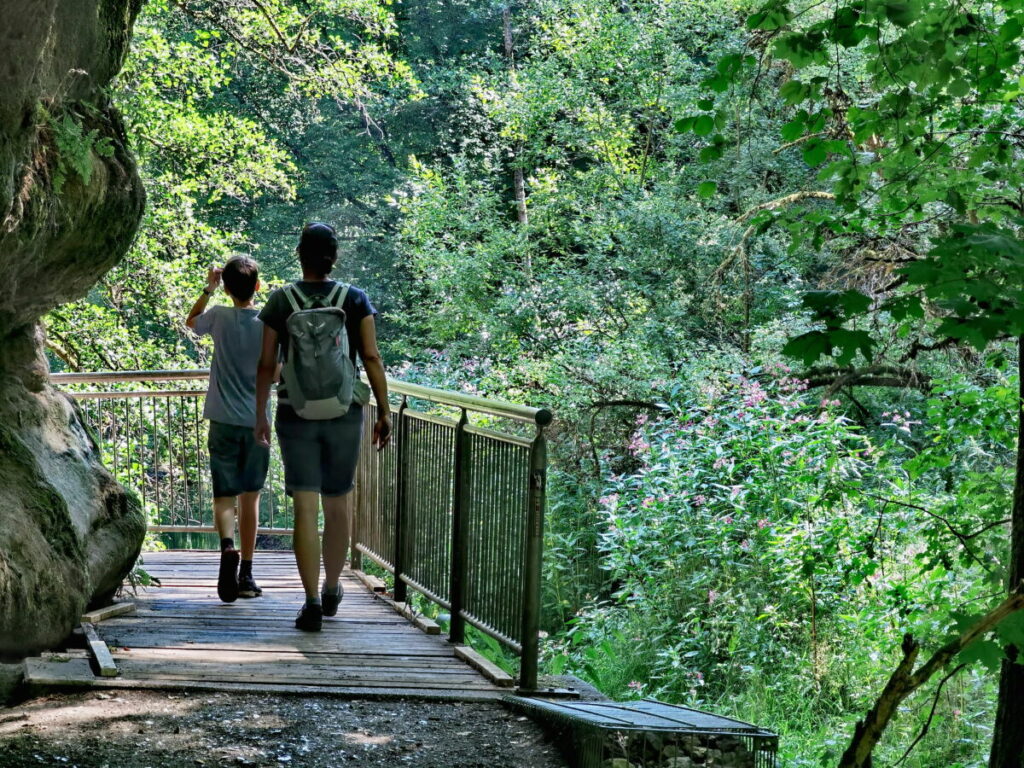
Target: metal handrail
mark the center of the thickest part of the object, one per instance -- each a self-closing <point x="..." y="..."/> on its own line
<point x="454" y="510"/>
<point x="539" y="416"/>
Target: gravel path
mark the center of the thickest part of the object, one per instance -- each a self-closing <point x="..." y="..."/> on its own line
<point x="167" y="729"/>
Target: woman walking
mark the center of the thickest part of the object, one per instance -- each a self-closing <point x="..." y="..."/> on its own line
<point x="311" y="325"/>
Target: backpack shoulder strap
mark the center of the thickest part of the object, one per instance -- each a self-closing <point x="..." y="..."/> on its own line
<point x="336" y="298"/>
<point x="329" y="298"/>
<point x="294" y="296"/>
<point x="344" y="294"/>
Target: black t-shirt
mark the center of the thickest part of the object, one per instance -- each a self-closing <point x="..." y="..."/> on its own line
<point x="356" y="306"/>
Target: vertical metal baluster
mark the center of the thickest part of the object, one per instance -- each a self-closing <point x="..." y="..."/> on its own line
<point x="170" y="456"/>
<point x="489" y="596"/>
<point x="469" y="522"/>
<point x="354" y="558"/>
<point x="461" y="489"/>
<point x="156" y="459"/>
<point x="185" y="453"/>
<point x="510" y="589"/>
<point x="401" y="470"/>
<point x="532" y="563"/>
<point x="201" y="459"/>
<point x="142" y="462"/>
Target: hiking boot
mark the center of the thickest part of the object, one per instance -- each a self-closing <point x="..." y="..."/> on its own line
<point x="331" y="601"/>
<point x="227" y="579"/>
<point x="310" y="618"/>
<point x="247" y="586"/>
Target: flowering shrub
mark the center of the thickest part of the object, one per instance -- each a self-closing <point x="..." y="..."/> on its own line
<point x="766" y="542"/>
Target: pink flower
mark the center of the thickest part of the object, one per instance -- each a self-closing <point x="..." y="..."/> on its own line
<point x="635" y="685"/>
<point x="610" y="500"/>
<point x="642" y="419"/>
<point x="719" y="463"/>
<point x="745" y="545"/>
<point x="735" y="491"/>
<point x="762" y="524"/>
<point x="727" y="519"/>
<point x="648" y="502"/>
<point x="712" y="596"/>
<point x="700" y="499"/>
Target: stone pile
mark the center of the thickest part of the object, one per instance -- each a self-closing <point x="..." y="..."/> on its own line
<point x="655" y="750"/>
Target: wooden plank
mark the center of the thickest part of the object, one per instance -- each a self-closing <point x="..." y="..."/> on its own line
<point x="100" y="614"/>
<point x="247" y="656"/>
<point x="182" y="635"/>
<point x="77" y="671"/>
<point x="420" y="622"/>
<point x="100" y="652"/>
<point x="485" y="666"/>
<point x="361" y="644"/>
<point x="46" y="678"/>
<point x="373" y="583"/>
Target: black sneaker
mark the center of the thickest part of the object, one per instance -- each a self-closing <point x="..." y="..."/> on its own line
<point x="247" y="586"/>
<point x="332" y="601"/>
<point x="310" y="618"/>
<point x="227" y="579"/>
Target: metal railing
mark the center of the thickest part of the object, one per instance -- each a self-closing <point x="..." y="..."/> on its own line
<point x="453" y="508"/>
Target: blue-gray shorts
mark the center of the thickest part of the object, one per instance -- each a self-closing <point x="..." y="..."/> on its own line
<point x="321" y="455"/>
<point x="238" y="464"/>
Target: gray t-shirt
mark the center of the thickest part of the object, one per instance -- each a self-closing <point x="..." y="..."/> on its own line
<point x="237" y="341"/>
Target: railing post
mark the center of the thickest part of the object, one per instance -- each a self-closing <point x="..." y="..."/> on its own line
<point x="460" y="534"/>
<point x="355" y="557"/>
<point x="532" y="563"/>
<point x="401" y="475"/>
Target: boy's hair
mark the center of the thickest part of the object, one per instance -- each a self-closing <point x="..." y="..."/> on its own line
<point x="318" y="248"/>
<point x="240" y="276"/>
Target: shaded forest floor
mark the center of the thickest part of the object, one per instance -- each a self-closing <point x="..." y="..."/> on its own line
<point x="177" y="729"/>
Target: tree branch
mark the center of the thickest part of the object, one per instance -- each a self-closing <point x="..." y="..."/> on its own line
<point x="904" y="681"/>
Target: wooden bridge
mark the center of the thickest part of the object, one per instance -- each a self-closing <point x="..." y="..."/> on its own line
<point x="452" y="513"/>
<point x="181" y="635"/>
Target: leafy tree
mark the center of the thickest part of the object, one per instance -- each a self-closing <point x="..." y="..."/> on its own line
<point x="910" y="112"/>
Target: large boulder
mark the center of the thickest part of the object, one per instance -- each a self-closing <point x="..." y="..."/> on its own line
<point x="70" y="201"/>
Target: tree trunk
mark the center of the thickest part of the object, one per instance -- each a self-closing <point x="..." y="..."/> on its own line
<point x="518" y="180"/>
<point x="1008" y="735"/>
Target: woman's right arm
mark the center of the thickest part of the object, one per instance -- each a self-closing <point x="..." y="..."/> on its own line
<point x="378" y="380"/>
<point x="265" y="374"/>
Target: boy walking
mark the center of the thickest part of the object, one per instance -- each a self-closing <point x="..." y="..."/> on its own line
<point x="238" y="464"/>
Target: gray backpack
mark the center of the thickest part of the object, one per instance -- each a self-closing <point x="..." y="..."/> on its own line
<point x="321" y="379"/>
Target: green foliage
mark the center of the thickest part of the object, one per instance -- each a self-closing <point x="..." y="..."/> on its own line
<point x="698" y="196"/>
<point x="765" y="545"/>
<point x="927" y="149"/>
<point x="75" y="148"/>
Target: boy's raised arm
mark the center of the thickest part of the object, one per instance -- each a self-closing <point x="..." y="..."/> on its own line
<point x="212" y="281"/>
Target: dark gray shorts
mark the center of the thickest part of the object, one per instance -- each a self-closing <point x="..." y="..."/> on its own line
<point x="322" y="455"/>
<point x="238" y="464"/>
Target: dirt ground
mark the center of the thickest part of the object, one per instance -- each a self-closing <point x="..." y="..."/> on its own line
<point x="169" y="729"/>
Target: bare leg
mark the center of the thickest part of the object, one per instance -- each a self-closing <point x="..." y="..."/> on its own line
<point x="248" y="512"/>
<point x="337" y="531"/>
<point x="306" y="540"/>
<point x="224" y="516"/>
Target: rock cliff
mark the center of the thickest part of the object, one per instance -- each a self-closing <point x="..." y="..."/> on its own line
<point x="70" y="201"/>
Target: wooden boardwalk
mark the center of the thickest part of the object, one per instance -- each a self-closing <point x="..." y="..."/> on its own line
<point x="182" y="636"/>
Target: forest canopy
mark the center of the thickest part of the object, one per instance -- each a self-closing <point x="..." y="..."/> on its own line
<point x="762" y="261"/>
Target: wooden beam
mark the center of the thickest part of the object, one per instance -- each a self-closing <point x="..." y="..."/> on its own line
<point x="484" y="666"/>
<point x="99" y="651"/>
<point x="372" y="583"/>
<point x="422" y="623"/>
<point x="117" y="609"/>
